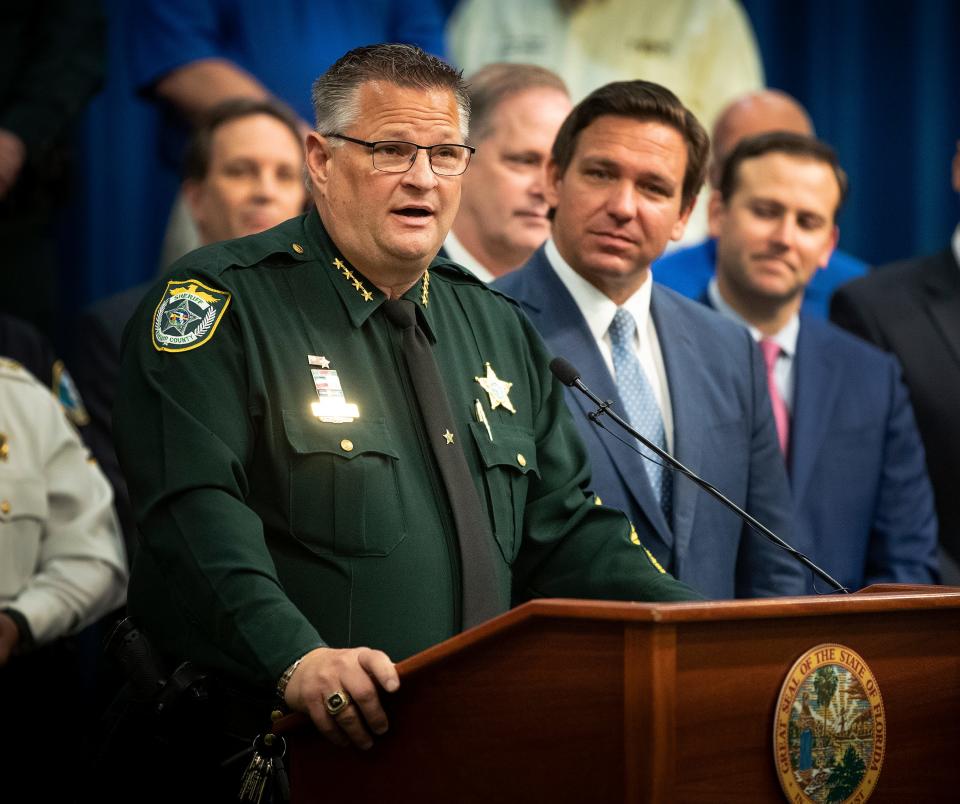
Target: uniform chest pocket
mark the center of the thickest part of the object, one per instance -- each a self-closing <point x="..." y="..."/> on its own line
<point x="344" y="488"/>
<point x="24" y="509"/>
<point x="23" y="498"/>
<point x="508" y="459"/>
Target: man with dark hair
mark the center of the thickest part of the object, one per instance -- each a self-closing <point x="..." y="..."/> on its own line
<point x="293" y="548"/>
<point x="912" y="309"/>
<point x="243" y="170"/>
<point x="199" y="151"/>
<point x="188" y="56"/>
<point x="863" y="506"/>
<point x="624" y="174"/>
<point x="688" y="270"/>
<point x="643" y="102"/>
<point x="242" y="173"/>
<point x="515" y="111"/>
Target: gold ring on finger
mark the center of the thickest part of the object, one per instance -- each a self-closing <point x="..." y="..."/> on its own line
<point x="336" y="702"/>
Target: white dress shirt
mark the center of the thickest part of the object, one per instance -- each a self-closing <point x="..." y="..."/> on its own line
<point x="598" y="311"/>
<point x="459" y="254"/>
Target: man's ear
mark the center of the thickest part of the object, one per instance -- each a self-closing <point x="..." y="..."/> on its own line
<point x="715" y="212"/>
<point x="680" y="225"/>
<point x="192" y="191"/>
<point x="551" y="189"/>
<point x="829" y="248"/>
<point x="319" y="154"/>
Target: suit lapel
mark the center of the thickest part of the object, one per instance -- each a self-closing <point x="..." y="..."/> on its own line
<point x="816" y="381"/>
<point x="943" y="299"/>
<point x="565" y="330"/>
<point x="682" y="366"/>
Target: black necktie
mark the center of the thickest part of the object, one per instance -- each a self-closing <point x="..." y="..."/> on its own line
<point x="477" y="558"/>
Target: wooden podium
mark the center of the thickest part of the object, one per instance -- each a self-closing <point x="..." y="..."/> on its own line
<point x="563" y="700"/>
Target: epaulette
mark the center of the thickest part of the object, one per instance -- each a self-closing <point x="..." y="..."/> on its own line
<point x="10" y="366"/>
<point x="284" y="241"/>
<point x="452" y="271"/>
<point x="506" y="297"/>
<point x="447" y="268"/>
<point x="10" y="369"/>
<point x="197" y="294"/>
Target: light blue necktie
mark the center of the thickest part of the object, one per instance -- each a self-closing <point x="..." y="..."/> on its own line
<point x="640" y="404"/>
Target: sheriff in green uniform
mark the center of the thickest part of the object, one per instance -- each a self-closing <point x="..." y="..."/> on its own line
<point x="296" y="524"/>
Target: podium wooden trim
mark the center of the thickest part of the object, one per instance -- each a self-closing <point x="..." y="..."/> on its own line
<point x="571" y="700"/>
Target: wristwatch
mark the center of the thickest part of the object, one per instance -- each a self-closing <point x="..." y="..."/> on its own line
<point x="285" y="678"/>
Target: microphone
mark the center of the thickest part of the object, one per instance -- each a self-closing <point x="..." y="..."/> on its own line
<point x="564" y="371"/>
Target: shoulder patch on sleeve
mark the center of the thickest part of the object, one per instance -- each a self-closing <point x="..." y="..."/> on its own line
<point x="65" y="390"/>
<point x="188" y="315"/>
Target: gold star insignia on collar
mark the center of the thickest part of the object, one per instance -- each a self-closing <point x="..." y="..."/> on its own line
<point x="425" y="290"/>
<point x="498" y="390"/>
<point x="448" y="437"/>
<point x="341" y="267"/>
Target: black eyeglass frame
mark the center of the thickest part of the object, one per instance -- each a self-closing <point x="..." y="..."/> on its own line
<point x="428" y="148"/>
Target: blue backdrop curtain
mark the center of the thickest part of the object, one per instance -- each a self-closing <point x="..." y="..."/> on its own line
<point x="882" y="83"/>
<point x="112" y="229"/>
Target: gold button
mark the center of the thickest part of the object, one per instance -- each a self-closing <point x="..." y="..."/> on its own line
<point x="4" y="507"/>
<point x="346" y="445"/>
<point x="297" y="247"/>
<point x="521" y="460"/>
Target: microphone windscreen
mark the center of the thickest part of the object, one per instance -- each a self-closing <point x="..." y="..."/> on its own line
<point x="564" y="371"/>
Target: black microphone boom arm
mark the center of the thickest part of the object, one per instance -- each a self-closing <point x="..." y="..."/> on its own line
<point x="569" y="376"/>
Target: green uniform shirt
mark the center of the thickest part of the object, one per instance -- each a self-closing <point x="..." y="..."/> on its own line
<point x="267" y="531"/>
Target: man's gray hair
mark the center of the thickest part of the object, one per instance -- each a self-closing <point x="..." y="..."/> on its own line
<point x="336" y="93"/>
<point x="490" y="86"/>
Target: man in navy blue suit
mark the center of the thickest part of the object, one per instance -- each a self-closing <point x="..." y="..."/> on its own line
<point x="912" y="309"/>
<point x="623" y="177"/>
<point x="863" y="502"/>
<point x="688" y="270"/>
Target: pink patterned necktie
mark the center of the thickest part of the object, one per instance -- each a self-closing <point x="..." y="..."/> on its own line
<point x="771" y="351"/>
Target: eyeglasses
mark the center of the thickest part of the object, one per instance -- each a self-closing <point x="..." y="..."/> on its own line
<point x="390" y="156"/>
